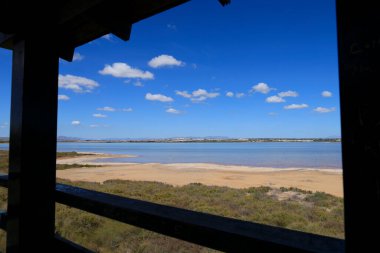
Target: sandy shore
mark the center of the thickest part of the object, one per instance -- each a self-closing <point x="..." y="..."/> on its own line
<point x="329" y="181"/>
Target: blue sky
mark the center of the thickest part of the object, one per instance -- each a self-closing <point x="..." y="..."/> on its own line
<point x="251" y="69"/>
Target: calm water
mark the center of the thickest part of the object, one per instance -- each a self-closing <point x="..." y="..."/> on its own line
<point x="281" y="155"/>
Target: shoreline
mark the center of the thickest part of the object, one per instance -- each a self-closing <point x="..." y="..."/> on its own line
<point x="91" y="158"/>
<point x="179" y="174"/>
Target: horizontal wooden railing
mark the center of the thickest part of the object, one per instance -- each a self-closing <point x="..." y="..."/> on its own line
<point x="221" y="233"/>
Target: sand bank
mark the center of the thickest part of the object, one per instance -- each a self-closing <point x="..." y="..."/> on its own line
<point x="325" y="180"/>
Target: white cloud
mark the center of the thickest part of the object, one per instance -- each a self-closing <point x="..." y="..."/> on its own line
<point x="63" y="97"/>
<point x="240" y="95"/>
<point x="75" y="122"/>
<point x="121" y="69"/>
<point x="171" y="27"/>
<point x="99" y="115"/>
<point x="288" y="93"/>
<point x="107" y="109"/>
<point x="4" y="125"/>
<point x="78" y="57"/>
<point x="184" y="94"/>
<point x="295" y="106"/>
<point x="204" y="93"/>
<point x="324" y="109"/>
<point x="261" y="88"/>
<point x="273" y="114"/>
<point x="127" y="109"/>
<point x="326" y="94"/>
<point x="173" y="111"/>
<point x="165" y="60"/>
<point x="230" y="94"/>
<point x="195" y="66"/>
<point x="158" y="97"/>
<point x="77" y="84"/>
<point x="198" y="95"/>
<point x="107" y="37"/>
<point x="94" y="125"/>
<point x="201" y="95"/>
<point x="275" y="99"/>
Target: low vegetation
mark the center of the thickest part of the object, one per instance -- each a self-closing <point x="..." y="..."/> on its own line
<point x="318" y="213"/>
<point x="4" y="161"/>
<point x="71" y="154"/>
<point x="74" y="165"/>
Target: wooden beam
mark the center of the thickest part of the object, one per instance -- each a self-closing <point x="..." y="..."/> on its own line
<point x="32" y="149"/>
<point x="359" y="68"/>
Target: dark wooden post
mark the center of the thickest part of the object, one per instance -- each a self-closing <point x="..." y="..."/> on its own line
<point x="359" y="73"/>
<point x="31" y="203"/>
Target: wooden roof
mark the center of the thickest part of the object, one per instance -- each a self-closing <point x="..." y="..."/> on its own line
<point x="76" y="22"/>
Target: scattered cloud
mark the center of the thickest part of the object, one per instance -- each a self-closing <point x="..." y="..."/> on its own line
<point x="230" y="94"/>
<point x="127" y="109"/>
<point x="198" y="95"/>
<point x="99" y="115"/>
<point x="165" y="60"/>
<point x="288" y="93"/>
<point x="324" y="109"/>
<point x="173" y="111"/>
<point x="123" y="70"/>
<point x="158" y="97"/>
<point x="107" y="109"/>
<point x="275" y="99"/>
<point x="107" y="37"/>
<point x="201" y="95"/>
<point x="78" y="57"/>
<point x="261" y="88"/>
<point x="77" y="84"/>
<point x="75" y="122"/>
<point x="98" y="125"/>
<point x="239" y="94"/>
<point x="138" y="83"/>
<point x="273" y="114"/>
<point x="171" y="27"/>
<point x="195" y="66"/>
<point x="326" y="94"/>
<point x="4" y="125"/>
<point x="295" y="106"/>
<point x="63" y="97"/>
<point x="184" y="94"/>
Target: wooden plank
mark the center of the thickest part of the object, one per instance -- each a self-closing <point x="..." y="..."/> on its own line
<point x="32" y="149"/>
<point x="212" y="231"/>
<point x="359" y="68"/>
